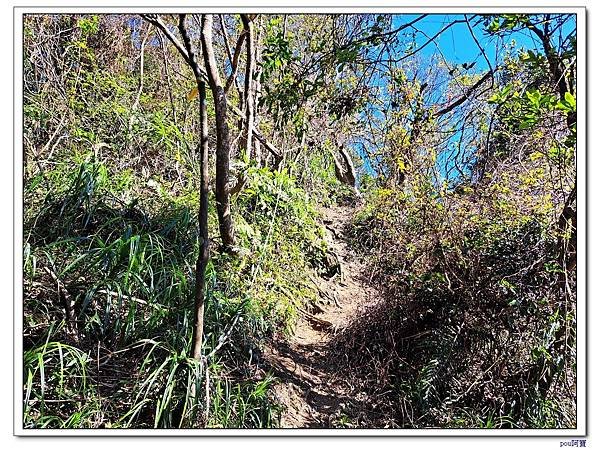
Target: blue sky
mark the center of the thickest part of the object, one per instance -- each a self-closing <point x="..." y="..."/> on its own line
<point x="457" y="46"/>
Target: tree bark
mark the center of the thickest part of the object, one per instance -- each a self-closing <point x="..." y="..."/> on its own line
<point x="223" y="143"/>
<point x="257" y="91"/>
<point x="248" y="83"/>
<point x="204" y="251"/>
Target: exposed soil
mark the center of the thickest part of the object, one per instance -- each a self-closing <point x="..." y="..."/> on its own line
<point x="310" y="389"/>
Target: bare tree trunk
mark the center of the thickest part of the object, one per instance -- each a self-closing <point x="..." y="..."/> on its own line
<point x="234" y="58"/>
<point x="248" y="83"/>
<point x="257" y="91"/>
<point x="204" y="251"/>
<point x="223" y="144"/>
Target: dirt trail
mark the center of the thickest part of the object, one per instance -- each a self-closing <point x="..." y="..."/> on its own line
<point x="312" y="393"/>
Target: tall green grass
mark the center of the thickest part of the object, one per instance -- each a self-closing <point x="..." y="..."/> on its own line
<point x="124" y="252"/>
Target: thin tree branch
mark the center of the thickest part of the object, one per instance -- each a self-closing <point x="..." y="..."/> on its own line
<point x="466" y="95"/>
<point x="192" y="61"/>
<point x="158" y="23"/>
<point x="480" y="47"/>
<point x="236" y="59"/>
<point x="429" y="41"/>
<point x="385" y="34"/>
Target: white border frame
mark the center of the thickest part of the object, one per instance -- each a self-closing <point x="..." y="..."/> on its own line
<point x="582" y="401"/>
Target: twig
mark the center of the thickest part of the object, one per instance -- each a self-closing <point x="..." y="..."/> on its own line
<point x="335" y="300"/>
<point x="480" y="47"/>
<point x="223" y="338"/>
<point x="129" y="297"/>
<point x="333" y="231"/>
<point x="477" y="379"/>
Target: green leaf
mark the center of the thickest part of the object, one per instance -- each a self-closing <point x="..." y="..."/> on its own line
<point x="570" y="100"/>
<point x="534" y="97"/>
<point x="494" y="26"/>
<point x="494" y="98"/>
